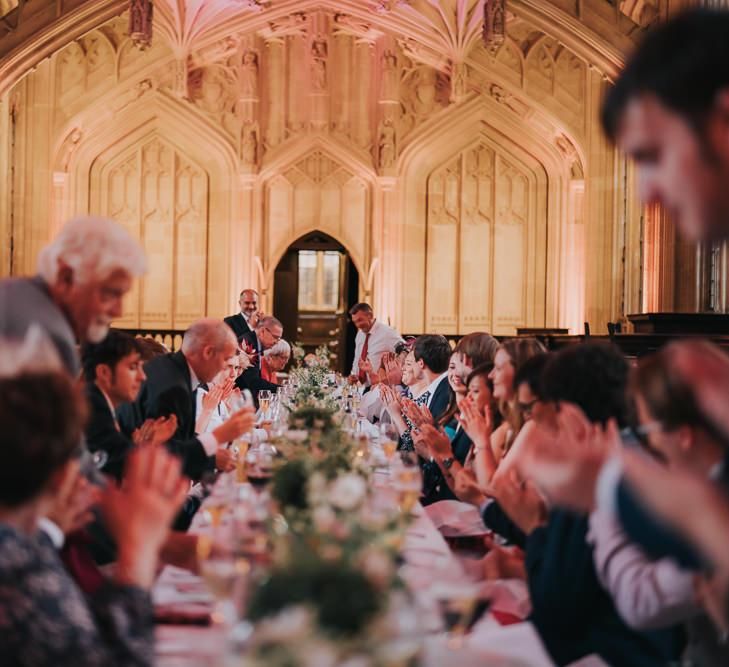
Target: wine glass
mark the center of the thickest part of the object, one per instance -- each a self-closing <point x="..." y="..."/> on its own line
<point x="259" y="463"/>
<point x="264" y="402"/>
<point x="408" y="481"/>
<point x="222" y="569"/>
<point x="389" y="438"/>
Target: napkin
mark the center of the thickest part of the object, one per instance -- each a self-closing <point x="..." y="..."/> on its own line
<point x="456" y="519"/>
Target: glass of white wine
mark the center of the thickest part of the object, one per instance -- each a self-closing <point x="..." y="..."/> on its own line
<point x="389" y="437"/>
<point x="264" y="402"/>
<point x="408" y="481"/>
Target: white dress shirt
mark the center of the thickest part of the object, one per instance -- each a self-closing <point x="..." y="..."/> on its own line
<point x="207" y="440"/>
<point x="382" y="339"/>
<point x="434" y="385"/>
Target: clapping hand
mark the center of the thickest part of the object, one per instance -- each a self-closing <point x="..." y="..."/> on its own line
<point x="564" y="463"/>
<point x="432" y="442"/>
<point x="155" y="431"/>
<point x="520" y="500"/>
<point x="393" y="370"/>
<point x="417" y="414"/>
<point x="255" y="318"/>
<point x="139" y="512"/>
<point x="467" y="488"/>
<point x="477" y="426"/>
<point x="224" y="459"/>
<point x="503" y="562"/>
<point x="236" y="425"/>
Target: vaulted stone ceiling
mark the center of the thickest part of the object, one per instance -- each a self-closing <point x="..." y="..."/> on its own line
<point x="388" y="124"/>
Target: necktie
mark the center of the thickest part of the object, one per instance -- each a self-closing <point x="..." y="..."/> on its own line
<point x="363" y="357"/>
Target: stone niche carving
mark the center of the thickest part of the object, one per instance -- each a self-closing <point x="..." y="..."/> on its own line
<point x="478" y="225"/>
<point x="424" y="91"/>
<point x="161" y="197"/>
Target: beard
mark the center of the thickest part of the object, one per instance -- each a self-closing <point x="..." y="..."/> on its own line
<point x="97" y="331"/>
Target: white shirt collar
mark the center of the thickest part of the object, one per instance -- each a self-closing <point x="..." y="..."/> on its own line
<point x="54" y="533"/>
<point x="246" y="316"/>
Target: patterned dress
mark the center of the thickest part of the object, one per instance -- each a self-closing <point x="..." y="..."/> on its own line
<point x="406" y="439"/>
<point x="46" y="620"/>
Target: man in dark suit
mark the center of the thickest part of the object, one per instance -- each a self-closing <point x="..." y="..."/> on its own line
<point x="247" y="319"/>
<point x="114" y="375"/>
<point x="172" y="382"/>
<point x="268" y="332"/>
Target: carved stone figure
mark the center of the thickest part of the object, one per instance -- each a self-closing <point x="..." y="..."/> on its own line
<point x="249" y="144"/>
<point x="319" y="65"/>
<point x="459" y="87"/>
<point x="494" y="24"/>
<point x="390" y="77"/>
<point x="140" y="23"/>
<point x="248" y="75"/>
<point x="386" y="144"/>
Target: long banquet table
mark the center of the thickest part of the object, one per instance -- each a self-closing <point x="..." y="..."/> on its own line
<point x="426" y="555"/>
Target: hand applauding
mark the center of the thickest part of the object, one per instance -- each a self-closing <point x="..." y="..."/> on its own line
<point x="520" y="500"/>
<point x="139" y="512"/>
<point x="417" y="414"/>
<point x="565" y="463"/>
<point x="236" y="425"/>
<point x="155" y="431"/>
<point x="477" y="426"/>
<point x="433" y="442"/>
<point x="467" y="488"/>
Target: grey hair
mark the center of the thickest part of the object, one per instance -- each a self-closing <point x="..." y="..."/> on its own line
<point x="280" y="349"/>
<point x="94" y="248"/>
<point x="268" y="322"/>
<point x="248" y="289"/>
<point x="207" y="331"/>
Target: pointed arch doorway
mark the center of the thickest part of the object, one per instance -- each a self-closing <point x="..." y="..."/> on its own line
<point x="315" y="285"/>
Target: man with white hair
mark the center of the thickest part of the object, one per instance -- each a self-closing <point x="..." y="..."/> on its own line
<point x="171" y="388"/>
<point x="83" y="274"/>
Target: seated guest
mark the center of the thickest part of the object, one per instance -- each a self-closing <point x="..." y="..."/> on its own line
<point x="171" y="386"/>
<point x="216" y="402"/>
<point x="415" y="390"/>
<point x="509" y="358"/>
<point x="267" y="333"/>
<point x="274" y="360"/>
<point x="373" y="339"/>
<point x="46" y="619"/>
<point x="572" y="612"/>
<point x="149" y="348"/>
<point x="246" y="320"/>
<point x="472" y="419"/>
<point x="372" y="406"/>
<point x="114" y="375"/>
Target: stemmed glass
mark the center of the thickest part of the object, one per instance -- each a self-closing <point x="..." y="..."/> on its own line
<point x="407" y="480"/>
<point x="389" y="437"/>
<point x="264" y="402"/>
<point x="259" y="462"/>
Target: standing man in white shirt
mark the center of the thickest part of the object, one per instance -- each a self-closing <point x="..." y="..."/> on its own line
<point x="373" y="340"/>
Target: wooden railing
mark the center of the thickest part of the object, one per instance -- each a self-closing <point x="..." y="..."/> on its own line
<point x="632" y="345"/>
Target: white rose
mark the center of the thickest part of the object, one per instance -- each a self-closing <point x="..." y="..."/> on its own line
<point x="324" y="518"/>
<point x="347" y="491"/>
<point x="290" y="624"/>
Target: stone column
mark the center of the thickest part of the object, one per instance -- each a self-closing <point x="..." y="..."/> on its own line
<point x="276" y="91"/>
<point x="363" y="72"/>
<point x="659" y="261"/>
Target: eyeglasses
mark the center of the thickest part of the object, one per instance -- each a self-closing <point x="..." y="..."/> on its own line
<point x="273" y="335"/>
<point x="526" y="408"/>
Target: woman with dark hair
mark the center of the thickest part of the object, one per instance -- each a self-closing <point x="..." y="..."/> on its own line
<point x="46" y="619"/>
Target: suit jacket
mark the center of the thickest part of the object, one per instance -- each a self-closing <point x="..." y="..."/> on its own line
<point x="238" y="324"/>
<point x="251" y="377"/>
<point x="572" y="612"/>
<point x="441" y="398"/>
<point x="102" y="434"/>
<point x="167" y="391"/>
<point x="27" y="301"/>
